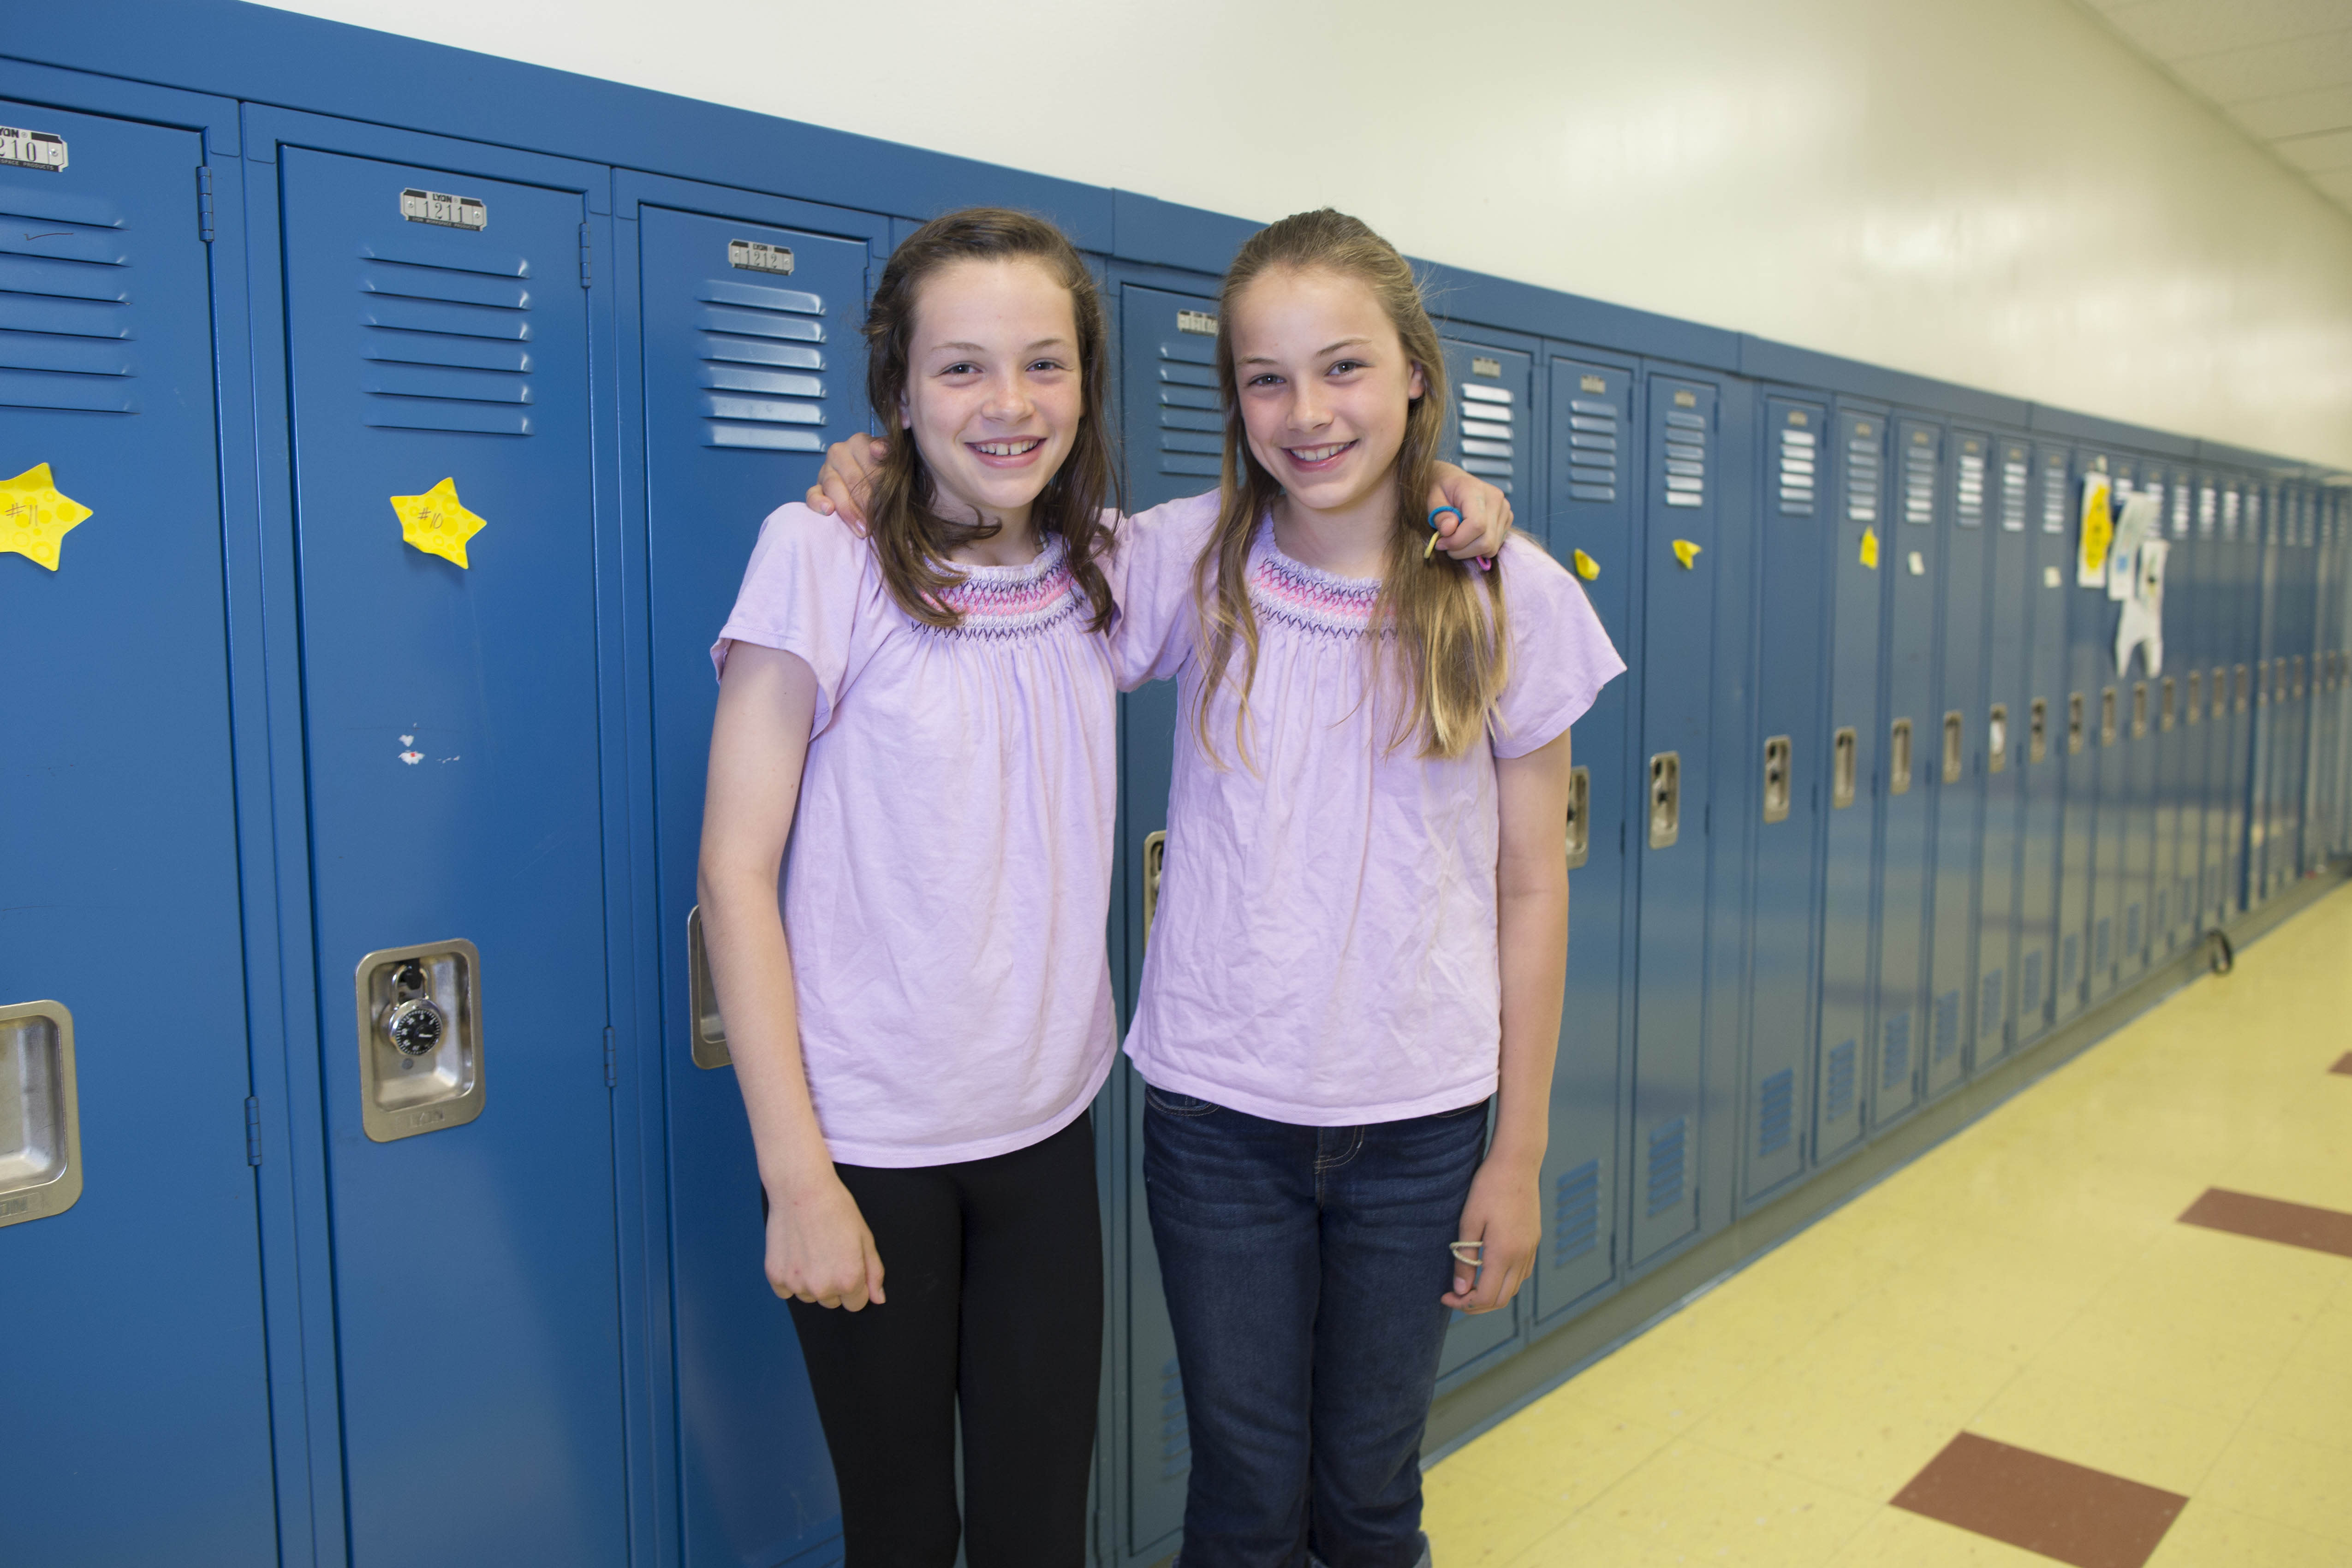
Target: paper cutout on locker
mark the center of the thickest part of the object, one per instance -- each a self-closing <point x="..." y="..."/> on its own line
<point x="2143" y="620"/>
<point x="1586" y="567"/>
<point x="1686" y="553"/>
<point x="2098" y="533"/>
<point x="1870" y="548"/>
<point x="35" y="517"/>
<point x="2142" y="518"/>
<point x="437" y="523"/>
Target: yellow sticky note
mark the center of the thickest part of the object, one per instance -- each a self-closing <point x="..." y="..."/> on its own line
<point x="1586" y="567"/>
<point x="2098" y="532"/>
<point x="34" y="517"/>
<point x="1870" y="548"/>
<point x="1686" y="553"/>
<point x="436" y="522"/>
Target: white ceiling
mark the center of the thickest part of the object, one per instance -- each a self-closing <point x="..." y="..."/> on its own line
<point x="2280" y="69"/>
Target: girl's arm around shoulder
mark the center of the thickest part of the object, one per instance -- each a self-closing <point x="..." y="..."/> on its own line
<point x="1153" y="556"/>
<point x="811" y="589"/>
<point x="1560" y="654"/>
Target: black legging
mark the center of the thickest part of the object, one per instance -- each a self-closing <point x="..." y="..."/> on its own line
<point x="993" y="1274"/>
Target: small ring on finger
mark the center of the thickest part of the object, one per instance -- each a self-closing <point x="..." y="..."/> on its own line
<point x="1466" y="1251"/>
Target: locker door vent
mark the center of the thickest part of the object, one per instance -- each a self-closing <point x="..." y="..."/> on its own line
<point x="2207" y="509"/>
<point x="1989" y="997"/>
<point x="446" y="340"/>
<point x="1919" y="479"/>
<point x="1593" y="429"/>
<point x="2054" y="495"/>
<point x="1191" y="429"/>
<point x="761" y="351"/>
<point x="1666" y="1162"/>
<point x="66" y="322"/>
<point x="1894" y="1067"/>
<point x="1860" y="476"/>
<point x="1838" y="1102"/>
<point x="1685" y="458"/>
<point x="2029" y="986"/>
<point x="1484" y="418"/>
<point x="2013" y="490"/>
<point x="2180" y="508"/>
<point x="1576" y="1213"/>
<point x="1175" y="1434"/>
<point x="1776" y="1106"/>
<point x="1798" y="448"/>
<point x="2070" y="961"/>
<point x="1970" y="487"/>
<point x="2102" y="943"/>
<point x="1947" y="1024"/>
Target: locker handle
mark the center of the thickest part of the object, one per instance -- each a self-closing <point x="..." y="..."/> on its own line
<point x="2220" y="692"/>
<point x="40" y="1115"/>
<point x="1996" y="739"/>
<point x="1898" y="759"/>
<point x="2195" y="709"/>
<point x="707" y="1031"/>
<point x="1843" y="747"/>
<point x="2107" y="715"/>
<point x="1954" y="745"/>
<point x="1776" y="753"/>
<point x="1665" y="798"/>
<point x="1580" y="816"/>
<point x="2037" y="730"/>
<point x="2139" y="710"/>
<point x="420" y="1039"/>
<point x="2074" y="723"/>
<point x="2244" y="686"/>
<point x="1155" y="859"/>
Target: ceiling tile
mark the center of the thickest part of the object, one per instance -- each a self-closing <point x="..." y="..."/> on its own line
<point x="2270" y="70"/>
<point x="2176" y="30"/>
<point x="2297" y="113"/>
<point x="2317" y="154"/>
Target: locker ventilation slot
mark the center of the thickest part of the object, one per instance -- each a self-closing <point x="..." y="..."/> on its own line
<point x="2029" y="986"/>
<point x="1919" y="483"/>
<point x="1665" y="1184"/>
<point x="1862" y="475"/>
<point x="1970" y="485"/>
<point x="2180" y="510"/>
<point x="2054" y="497"/>
<point x="1895" y="1050"/>
<point x="761" y="351"/>
<point x="2102" y="943"/>
<point x="2208" y="508"/>
<point x="1947" y="1025"/>
<point x="1798" y="448"/>
<point x="1989" y="1005"/>
<point x="64" y="304"/>
<point x="1576" y="1213"/>
<point x="2012" y="492"/>
<point x="445" y="341"/>
<point x="1685" y="459"/>
<point x="1837" y="1104"/>
<point x="1776" y="1106"/>
<point x="1175" y="1435"/>
<point x="1191" y="430"/>
<point x="1593" y="428"/>
<point x="2070" y="959"/>
<point x="1485" y="420"/>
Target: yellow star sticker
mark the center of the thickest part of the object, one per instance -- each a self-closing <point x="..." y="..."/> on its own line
<point x="436" y="522"/>
<point x="34" y="517"/>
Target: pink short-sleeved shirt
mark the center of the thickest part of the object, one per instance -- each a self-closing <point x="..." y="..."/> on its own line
<point x="949" y="878"/>
<point x="1323" y="948"/>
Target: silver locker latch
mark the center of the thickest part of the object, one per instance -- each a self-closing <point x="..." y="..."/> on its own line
<point x="2139" y="710"/>
<point x="707" y="1031"/>
<point x="1996" y="739"/>
<point x="1580" y="816"/>
<point x="1155" y="858"/>
<point x="40" y="1119"/>
<point x="2108" y="726"/>
<point x="1898" y="759"/>
<point x="420" y="1028"/>
<point x="1954" y="746"/>
<point x="1776" y="751"/>
<point x="1665" y="798"/>
<point x="1843" y="748"/>
<point x="2037" y="730"/>
<point x="2074" y="723"/>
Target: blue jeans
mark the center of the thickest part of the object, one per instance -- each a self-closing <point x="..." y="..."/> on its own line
<point x="1303" y="1268"/>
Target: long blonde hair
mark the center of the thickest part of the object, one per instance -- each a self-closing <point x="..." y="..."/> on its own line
<point x="1451" y="635"/>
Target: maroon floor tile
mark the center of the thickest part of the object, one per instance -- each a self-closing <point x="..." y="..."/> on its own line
<point x="2343" y="1064"/>
<point x="2273" y="1219"/>
<point x="2068" y="1512"/>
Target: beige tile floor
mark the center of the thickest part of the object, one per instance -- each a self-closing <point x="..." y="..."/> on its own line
<point x="2026" y="1280"/>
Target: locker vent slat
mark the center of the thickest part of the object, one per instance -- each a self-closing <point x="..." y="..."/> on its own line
<point x="65" y="318"/>
<point x="1861" y="479"/>
<point x="759" y="383"/>
<point x="2209" y="511"/>
<point x="2029" y="986"/>
<point x="1685" y="459"/>
<point x="1920" y="481"/>
<point x="1895" y="1051"/>
<point x="1776" y="1111"/>
<point x="1192" y="426"/>
<point x="1485" y="425"/>
<point x="443" y="341"/>
<point x="1968" y="486"/>
<point x="1665" y="1166"/>
<point x="1947" y="1025"/>
<point x="1988" y="997"/>
<point x="1595" y="431"/>
<point x="1799" y="461"/>
<point x="2053" y="495"/>
<point x="1838" y="1102"/>
<point x="2014" y="496"/>
<point x="1576" y="1213"/>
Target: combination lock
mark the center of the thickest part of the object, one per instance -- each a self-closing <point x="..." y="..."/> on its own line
<point x="414" y="1023"/>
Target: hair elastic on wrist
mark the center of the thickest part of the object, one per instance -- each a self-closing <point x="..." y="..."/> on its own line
<point x="1430" y="549"/>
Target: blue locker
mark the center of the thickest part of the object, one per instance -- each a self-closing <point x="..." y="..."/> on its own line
<point x="1591" y="507"/>
<point x="2259" y="520"/>
<point x="1792" y="639"/>
<point x="2302" y="627"/>
<point x="137" y="1392"/>
<point x="1851" y="770"/>
<point x="1912" y="742"/>
<point x="1956" y="777"/>
<point x="2137" y="792"/>
<point x="2008" y="643"/>
<point x="744" y="373"/>
<point x="2113" y="819"/>
<point x="2177" y="819"/>
<point x="2040" y="749"/>
<point x="455" y="798"/>
<point x="1489" y="431"/>
<point x="2084" y="677"/>
<point x="2237" y="581"/>
<point x="1173" y="433"/>
<point x="1678" y="620"/>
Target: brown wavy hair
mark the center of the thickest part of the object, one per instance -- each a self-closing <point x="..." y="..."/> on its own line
<point x="1444" y="617"/>
<point x="911" y="540"/>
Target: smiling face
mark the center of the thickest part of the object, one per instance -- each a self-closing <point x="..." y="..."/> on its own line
<point x="1324" y="386"/>
<point x="993" y="395"/>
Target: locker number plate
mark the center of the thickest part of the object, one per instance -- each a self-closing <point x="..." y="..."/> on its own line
<point x="444" y="211"/>
<point x="32" y="149"/>
<point x="753" y="255"/>
<point x="1203" y="322"/>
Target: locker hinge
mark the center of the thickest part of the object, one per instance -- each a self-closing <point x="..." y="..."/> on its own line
<point x="205" y="202"/>
<point x="612" y="1066"/>
<point x="584" y="239"/>
<point x="252" y="1130"/>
